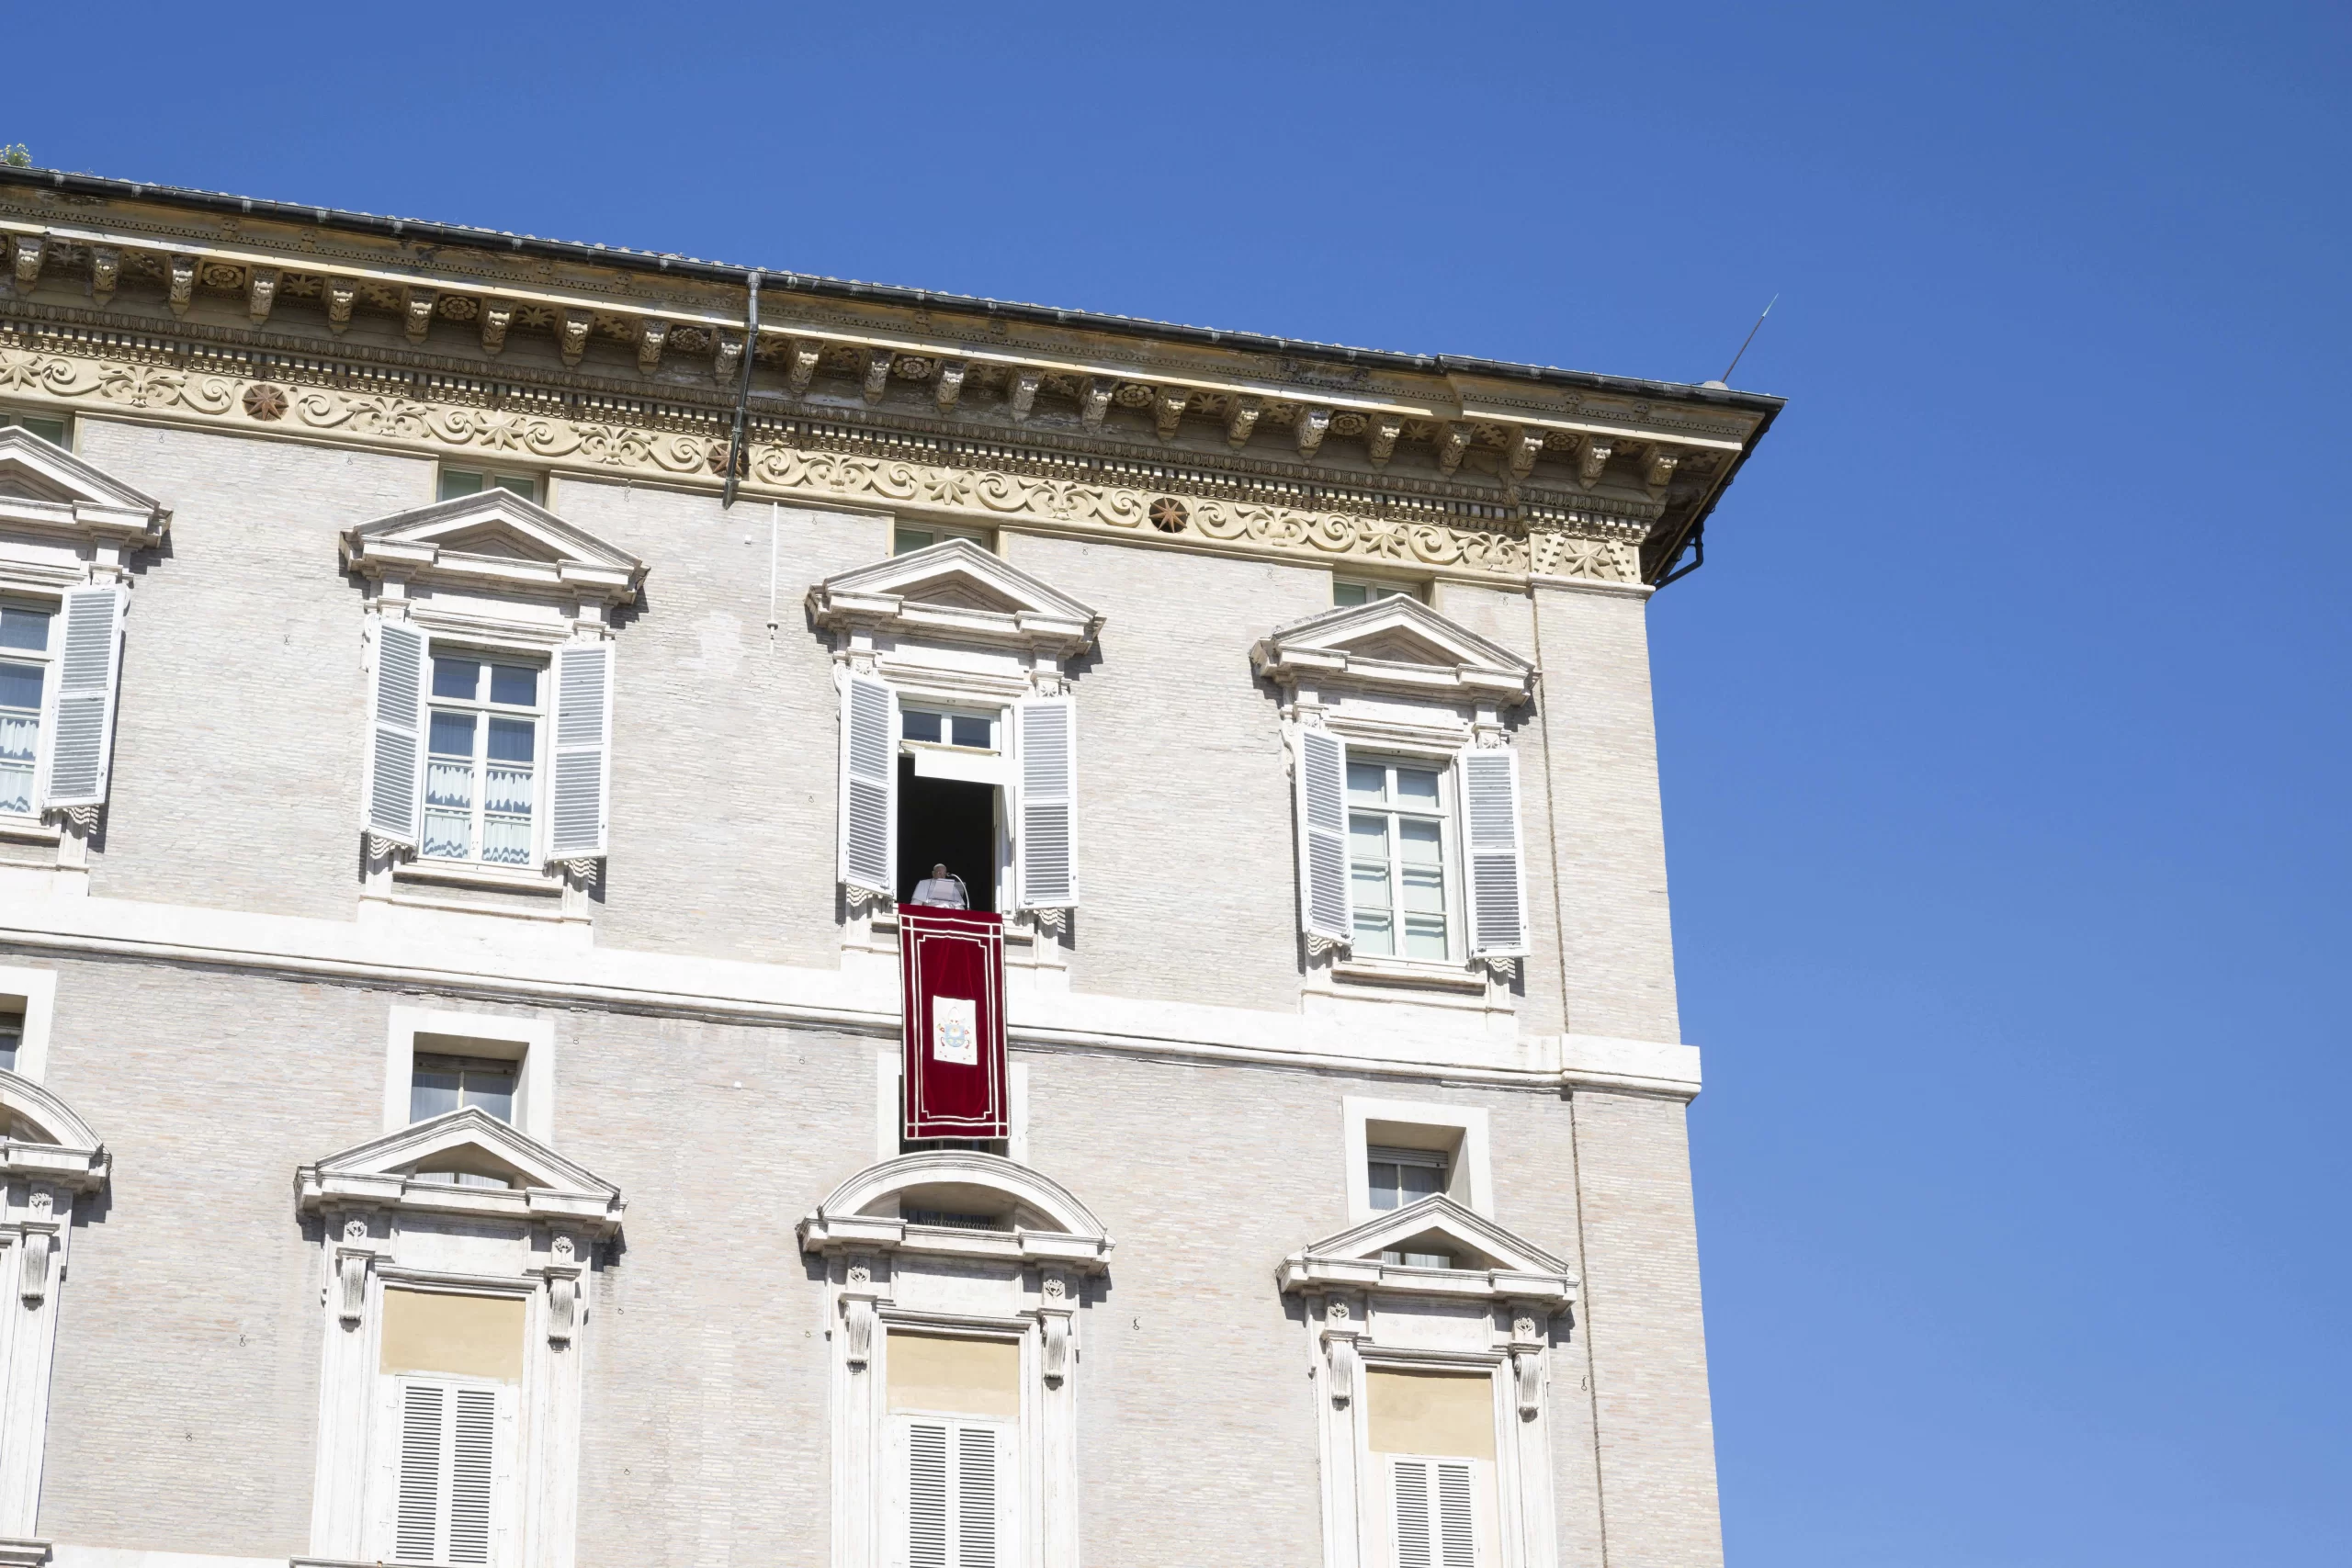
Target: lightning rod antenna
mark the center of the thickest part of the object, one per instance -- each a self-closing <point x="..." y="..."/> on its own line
<point x="1725" y="379"/>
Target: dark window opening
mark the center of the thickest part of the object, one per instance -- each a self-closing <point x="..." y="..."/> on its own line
<point x="907" y="1146"/>
<point x="946" y="822"/>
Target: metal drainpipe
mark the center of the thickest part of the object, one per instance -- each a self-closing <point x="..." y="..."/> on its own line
<point x="736" y="458"/>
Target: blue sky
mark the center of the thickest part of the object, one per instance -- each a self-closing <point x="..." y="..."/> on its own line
<point x="2004" y="732"/>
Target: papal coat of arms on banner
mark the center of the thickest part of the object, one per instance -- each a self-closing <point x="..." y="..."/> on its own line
<point x="954" y="1031"/>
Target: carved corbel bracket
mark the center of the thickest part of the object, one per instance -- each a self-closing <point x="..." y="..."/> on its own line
<point x="29" y="250"/>
<point x="356" y="1248"/>
<point x="863" y="1290"/>
<point x="563" y="1270"/>
<point x="1168" y="411"/>
<point x="1314" y="424"/>
<point x="261" y="292"/>
<point x="572" y="335"/>
<point x="805" y="354"/>
<point x="1380" y="441"/>
<point x="1343" y="1326"/>
<point x="1244" y="419"/>
<point x="726" y="358"/>
<point x="878" y="373"/>
<point x="417" y="316"/>
<point x="183" y="283"/>
<point x="341" y="294"/>
<point x="1593" y="459"/>
<point x="497" y="315"/>
<point x="1021" y="391"/>
<point x="1055" y="1309"/>
<point x="651" y="335"/>
<point x="1453" y="443"/>
<point x="1095" y="401"/>
<point x="1659" y="469"/>
<point x="950" y="385"/>
<point x="1528" y="1348"/>
<point x="105" y="272"/>
<point x="1526" y="445"/>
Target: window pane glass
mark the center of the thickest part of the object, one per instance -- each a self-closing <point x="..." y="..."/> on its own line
<point x="965" y="731"/>
<point x="20" y="627"/>
<point x="20" y="686"/>
<point x="1424" y="936"/>
<point x="459" y="482"/>
<point x="1415" y="1182"/>
<point x="1367" y="782"/>
<point x="506" y="840"/>
<point x="493" y="1091"/>
<point x="511" y="740"/>
<point x="920" y="726"/>
<point x="1345" y="593"/>
<point x="514" y="684"/>
<point x="908" y="540"/>
<point x="1417" y="786"/>
<point x="1383" y="1177"/>
<point x="453" y="735"/>
<point x="430" y="1092"/>
<point x="521" y="484"/>
<point x="457" y="677"/>
<point x="16" y="788"/>
<point x="448" y="838"/>
<point x="49" y="430"/>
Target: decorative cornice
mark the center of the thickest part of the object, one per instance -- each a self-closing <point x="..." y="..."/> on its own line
<point x="819" y="463"/>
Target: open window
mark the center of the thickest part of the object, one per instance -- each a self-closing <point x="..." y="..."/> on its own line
<point x="67" y="534"/>
<point x="454" y="1255"/>
<point x="959" y="738"/>
<point x="958" y="1284"/>
<point x="1431" y="1330"/>
<point x="491" y="672"/>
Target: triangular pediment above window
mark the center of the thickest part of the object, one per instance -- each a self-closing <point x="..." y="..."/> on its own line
<point x="466" y="1161"/>
<point x="493" y="540"/>
<point x="1435" y="1247"/>
<point x="957" y="592"/>
<point x="1394" y="644"/>
<point x="44" y="486"/>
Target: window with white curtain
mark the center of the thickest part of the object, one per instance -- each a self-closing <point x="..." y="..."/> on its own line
<point x="1399" y="857"/>
<point x="24" y="680"/>
<point x="482" y="772"/>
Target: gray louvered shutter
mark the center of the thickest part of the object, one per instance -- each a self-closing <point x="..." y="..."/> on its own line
<point x="87" y="671"/>
<point x="1410" y="1490"/>
<point x="473" y="1475"/>
<point x="395" y="779"/>
<point x="582" y="762"/>
<point x="976" y="1498"/>
<point x="417" y="1488"/>
<point x="1498" y="881"/>
<point x="869" y="784"/>
<point x="927" y="1511"/>
<point x="1047" y="852"/>
<point x="1457" y="1528"/>
<point x="1325" y="909"/>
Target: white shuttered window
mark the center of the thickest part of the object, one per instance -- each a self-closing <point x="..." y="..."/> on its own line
<point x="1435" y="1513"/>
<point x="87" y="668"/>
<point x="395" y="777"/>
<point x="453" y="1453"/>
<point x="869" y="815"/>
<point x="583" y="751"/>
<point x="1046" y="852"/>
<point x="1321" y="771"/>
<point x="955" y="1479"/>
<point x="1497" y="876"/>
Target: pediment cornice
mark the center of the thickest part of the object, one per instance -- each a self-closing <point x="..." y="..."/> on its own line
<point x="47" y="488"/>
<point x="62" y="1149"/>
<point x="1394" y="645"/>
<point x="379" y="1175"/>
<point x="955" y="590"/>
<point x="494" y="541"/>
<point x="1507" y="1266"/>
<point x="1051" y="1224"/>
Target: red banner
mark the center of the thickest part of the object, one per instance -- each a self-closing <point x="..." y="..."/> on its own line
<point x="951" y="965"/>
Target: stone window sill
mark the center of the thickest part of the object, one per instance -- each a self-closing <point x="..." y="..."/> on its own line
<point x="543" y="883"/>
<point x="1410" y="976"/>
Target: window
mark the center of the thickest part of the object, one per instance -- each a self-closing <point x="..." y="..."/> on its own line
<point x="450" y="1366"/>
<point x="1397" y="1177"/>
<point x="12" y="1039"/>
<point x="1398" y="855"/>
<point x="482" y="764"/>
<point x="954" y="1408"/>
<point x="455" y="482"/>
<point x="24" y="679"/>
<point x="1435" y="1434"/>
<point x="1345" y="593"/>
<point x="439" y="1084"/>
<point x="971" y="732"/>
<point x="951" y="806"/>
<point x="56" y="431"/>
<point x="905" y="540"/>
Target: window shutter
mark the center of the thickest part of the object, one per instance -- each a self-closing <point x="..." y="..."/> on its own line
<point x="416" y="1506"/>
<point x="396" y="734"/>
<point x="473" y="1470"/>
<point x="1046" y="855"/>
<point x="1458" y="1532"/>
<point x="1498" y="887"/>
<point x="86" y="674"/>
<point x="976" y="1545"/>
<point x="926" y="1496"/>
<point x="1412" y="1489"/>
<point x="869" y="784"/>
<point x="583" y="761"/>
<point x="1323" y="901"/>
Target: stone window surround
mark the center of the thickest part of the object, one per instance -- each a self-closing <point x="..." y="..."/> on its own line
<point x="1028" y="1285"/>
<point x="532" y="1039"/>
<point x="39" y="1184"/>
<point x="1361" y="1313"/>
<point x="363" y="1209"/>
<point x="1470" y="1156"/>
<point x="36" y="990"/>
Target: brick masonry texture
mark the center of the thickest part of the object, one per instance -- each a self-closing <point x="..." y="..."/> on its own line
<point x="185" y="1399"/>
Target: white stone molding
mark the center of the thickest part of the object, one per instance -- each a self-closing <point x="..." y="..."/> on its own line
<point x="534" y="1241"/>
<point x="1398" y="648"/>
<point x="48" y="1157"/>
<point x="1458" y="1131"/>
<point x="35" y="993"/>
<point x="1492" y="1315"/>
<point x="491" y="550"/>
<point x="1026" y="1282"/>
<point x="954" y="592"/>
<point x="528" y="1041"/>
